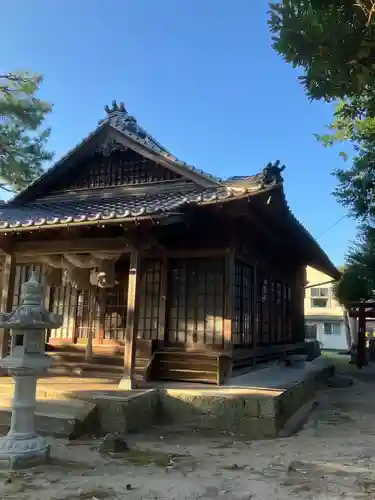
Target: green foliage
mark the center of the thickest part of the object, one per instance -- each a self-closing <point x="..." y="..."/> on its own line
<point x="332" y="41"/>
<point x="22" y="138"/>
<point x="358" y="279"/>
<point x="356" y="189"/>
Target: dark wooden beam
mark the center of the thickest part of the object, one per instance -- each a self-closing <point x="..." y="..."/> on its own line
<point x="84" y="245"/>
<point x="128" y="380"/>
<point x="229" y="290"/>
<point x="367" y="315"/>
<point x="7" y="290"/>
<point x="196" y="253"/>
<point x="163" y="298"/>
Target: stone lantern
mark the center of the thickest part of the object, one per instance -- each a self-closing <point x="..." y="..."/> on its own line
<point x="22" y="447"/>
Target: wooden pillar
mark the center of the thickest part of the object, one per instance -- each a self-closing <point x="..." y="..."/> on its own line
<point x="229" y="292"/>
<point x="128" y="380"/>
<point x="163" y="299"/>
<point x="47" y="296"/>
<point x="298" y="318"/>
<point x="254" y="306"/>
<point x="91" y="319"/>
<point x="102" y="309"/>
<point x="7" y="289"/>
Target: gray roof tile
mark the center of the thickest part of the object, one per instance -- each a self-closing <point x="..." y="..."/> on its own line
<point x="104" y="207"/>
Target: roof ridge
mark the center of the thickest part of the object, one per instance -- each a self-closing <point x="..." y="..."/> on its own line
<point x="119" y="118"/>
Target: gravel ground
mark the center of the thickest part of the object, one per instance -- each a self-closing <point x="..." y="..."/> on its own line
<point x="331" y="458"/>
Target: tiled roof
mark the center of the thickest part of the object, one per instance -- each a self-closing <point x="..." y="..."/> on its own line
<point x="106" y="207"/>
<point x="121" y="121"/>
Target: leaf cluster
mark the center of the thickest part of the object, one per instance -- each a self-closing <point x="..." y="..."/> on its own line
<point x="22" y="137"/>
<point x="332" y="41"/>
<point x="358" y="278"/>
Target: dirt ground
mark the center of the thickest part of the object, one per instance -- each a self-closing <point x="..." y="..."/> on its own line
<point x="331" y="458"/>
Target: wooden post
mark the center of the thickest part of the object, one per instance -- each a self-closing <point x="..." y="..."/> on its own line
<point x="91" y="320"/>
<point x="102" y="310"/>
<point x="47" y="296"/>
<point x="229" y="291"/>
<point x="254" y="306"/>
<point x="298" y="297"/>
<point x="7" y="289"/>
<point x="163" y="299"/>
<point x="128" y="382"/>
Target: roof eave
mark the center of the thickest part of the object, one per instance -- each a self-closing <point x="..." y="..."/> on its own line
<point x="158" y="219"/>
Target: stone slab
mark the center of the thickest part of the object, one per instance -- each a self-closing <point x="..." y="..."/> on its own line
<point x="55" y="418"/>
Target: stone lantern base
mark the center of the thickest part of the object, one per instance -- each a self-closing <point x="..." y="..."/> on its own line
<point x="16" y="453"/>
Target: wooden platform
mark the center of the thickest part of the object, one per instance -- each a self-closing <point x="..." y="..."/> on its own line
<point x="152" y="364"/>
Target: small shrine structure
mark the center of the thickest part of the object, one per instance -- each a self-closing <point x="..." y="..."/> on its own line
<point x="362" y="312"/>
<point x="157" y="267"/>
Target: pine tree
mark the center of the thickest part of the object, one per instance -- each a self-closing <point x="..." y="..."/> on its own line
<point x="22" y="136"/>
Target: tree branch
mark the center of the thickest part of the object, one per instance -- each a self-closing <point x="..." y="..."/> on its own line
<point x="367" y="7"/>
<point x="6" y="188"/>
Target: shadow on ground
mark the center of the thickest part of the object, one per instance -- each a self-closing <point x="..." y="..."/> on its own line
<point x="343" y="367"/>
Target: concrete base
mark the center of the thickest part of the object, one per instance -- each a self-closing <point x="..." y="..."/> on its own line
<point x="22" y="453"/>
<point x="265" y="404"/>
<point x="256" y="405"/>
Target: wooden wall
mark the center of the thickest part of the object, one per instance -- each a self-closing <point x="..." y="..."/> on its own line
<point x="118" y="169"/>
<point x="265" y="307"/>
<point x="101" y="310"/>
<point x="148" y="300"/>
<point x="196" y="299"/>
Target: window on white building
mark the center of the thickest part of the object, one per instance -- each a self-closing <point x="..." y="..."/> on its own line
<point x="311" y="331"/>
<point x="332" y="328"/>
<point x="319" y="297"/>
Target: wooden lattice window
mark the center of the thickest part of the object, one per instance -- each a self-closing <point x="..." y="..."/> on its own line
<point x="263" y="308"/>
<point x="272" y="311"/>
<point x="196" y="301"/>
<point x="149" y="299"/>
<point x="288" y="312"/>
<point x="243" y="321"/>
<point x="110" y="319"/>
<point x="120" y="168"/>
<point x="87" y="313"/>
<point x="23" y="274"/>
<point x="115" y="302"/>
<point x="63" y="302"/>
<point x="279" y="311"/>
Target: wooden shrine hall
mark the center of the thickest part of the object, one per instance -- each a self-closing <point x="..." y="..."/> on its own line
<point x="160" y="271"/>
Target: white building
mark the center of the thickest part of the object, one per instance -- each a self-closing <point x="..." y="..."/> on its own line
<point x="323" y="314"/>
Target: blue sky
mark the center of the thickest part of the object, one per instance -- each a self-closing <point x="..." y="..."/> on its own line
<point x="200" y="76"/>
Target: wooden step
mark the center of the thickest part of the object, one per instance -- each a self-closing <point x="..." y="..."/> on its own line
<point x="58" y="357"/>
<point x="185" y="366"/>
<point x="164" y="365"/>
<point x="80" y="368"/>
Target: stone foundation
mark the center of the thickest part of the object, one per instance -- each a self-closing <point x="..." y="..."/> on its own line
<point x="248" y="413"/>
